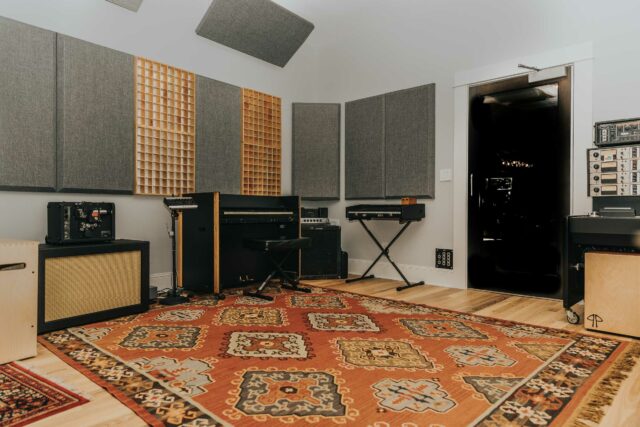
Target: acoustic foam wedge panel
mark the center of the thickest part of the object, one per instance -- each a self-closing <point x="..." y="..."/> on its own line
<point x="364" y="148"/>
<point x="410" y="142"/>
<point x="27" y="107"/>
<point x="218" y="136"/>
<point x="95" y="117"/>
<point x="316" y="151"/>
<point x="132" y="5"/>
<point x="260" y="28"/>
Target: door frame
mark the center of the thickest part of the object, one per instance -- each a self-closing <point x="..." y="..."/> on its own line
<point x="580" y="58"/>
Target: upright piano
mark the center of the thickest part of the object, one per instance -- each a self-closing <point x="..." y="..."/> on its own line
<point x="211" y="252"/>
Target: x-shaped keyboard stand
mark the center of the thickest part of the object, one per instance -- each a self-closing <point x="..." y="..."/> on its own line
<point x="384" y="251"/>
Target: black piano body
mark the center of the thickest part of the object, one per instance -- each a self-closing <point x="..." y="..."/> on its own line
<point x="401" y="213"/>
<point x="587" y="233"/>
<point x="213" y="256"/>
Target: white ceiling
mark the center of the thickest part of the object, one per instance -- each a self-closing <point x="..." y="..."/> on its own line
<point x="462" y="33"/>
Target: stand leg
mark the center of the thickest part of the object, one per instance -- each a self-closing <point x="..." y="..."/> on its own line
<point x="258" y="292"/>
<point x="288" y="282"/>
<point x="173" y="296"/>
<point x="384" y="251"/>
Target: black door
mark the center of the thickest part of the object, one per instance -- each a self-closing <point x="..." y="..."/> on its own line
<point x="519" y="184"/>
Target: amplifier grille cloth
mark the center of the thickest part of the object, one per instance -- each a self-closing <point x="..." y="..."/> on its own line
<point x="86" y="284"/>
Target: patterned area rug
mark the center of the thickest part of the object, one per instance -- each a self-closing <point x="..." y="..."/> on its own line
<point x="26" y="397"/>
<point x="337" y="358"/>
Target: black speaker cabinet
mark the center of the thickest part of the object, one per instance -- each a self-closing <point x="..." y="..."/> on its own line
<point x="86" y="283"/>
<point x="323" y="259"/>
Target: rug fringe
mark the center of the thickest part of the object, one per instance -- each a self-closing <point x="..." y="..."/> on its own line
<point x="605" y="391"/>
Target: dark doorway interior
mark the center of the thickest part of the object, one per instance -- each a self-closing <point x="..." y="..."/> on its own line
<point x="519" y="185"/>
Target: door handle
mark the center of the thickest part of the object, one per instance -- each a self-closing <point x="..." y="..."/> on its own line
<point x="471" y="185"/>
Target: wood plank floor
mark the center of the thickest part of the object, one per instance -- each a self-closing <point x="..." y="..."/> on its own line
<point x="104" y="410"/>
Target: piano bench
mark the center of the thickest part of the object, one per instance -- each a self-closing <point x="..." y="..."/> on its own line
<point x="274" y="245"/>
<point x="285" y="248"/>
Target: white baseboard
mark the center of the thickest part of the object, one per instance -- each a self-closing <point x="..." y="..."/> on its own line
<point x="414" y="273"/>
<point x="160" y="280"/>
<point x="383" y="269"/>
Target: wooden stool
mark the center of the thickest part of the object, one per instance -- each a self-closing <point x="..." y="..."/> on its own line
<point x="275" y="249"/>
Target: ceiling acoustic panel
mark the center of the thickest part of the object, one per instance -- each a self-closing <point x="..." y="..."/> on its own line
<point x="260" y="28"/>
<point x="132" y="5"/>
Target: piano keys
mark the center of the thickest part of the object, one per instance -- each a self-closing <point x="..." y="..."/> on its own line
<point x="401" y="213"/>
<point x="213" y="257"/>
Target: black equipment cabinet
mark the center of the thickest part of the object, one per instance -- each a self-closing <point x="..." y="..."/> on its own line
<point x="93" y="282"/>
<point x="211" y="244"/>
<point x="587" y="234"/>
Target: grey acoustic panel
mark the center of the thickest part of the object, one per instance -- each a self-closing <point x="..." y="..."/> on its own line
<point x="218" y="136"/>
<point x="364" y="148"/>
<point x="316" y="151"/>
<point x="27" y="107"/>
<point x="95" y="118"/>
<point x="132" y="5"/>
<point x="260" y="28"/>
<point x="410" y="142"/>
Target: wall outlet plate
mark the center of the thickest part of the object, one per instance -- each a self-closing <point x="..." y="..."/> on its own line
<point x="444" y="258"/>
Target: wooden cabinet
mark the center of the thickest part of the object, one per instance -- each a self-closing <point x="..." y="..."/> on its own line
<point x="612" y="292"/>
<point x="95" y="133"/>
<point x="19" y="302"/>
<point x="27" y="107"/>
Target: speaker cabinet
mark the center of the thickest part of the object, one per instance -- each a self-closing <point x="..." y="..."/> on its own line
<point x="323" y="259"/>
<point x="18" y="305"/>
<point x="612" y="293"/>
<point x="88" y="283"/>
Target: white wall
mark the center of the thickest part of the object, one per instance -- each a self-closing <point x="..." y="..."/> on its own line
<point x="162" y="30"/>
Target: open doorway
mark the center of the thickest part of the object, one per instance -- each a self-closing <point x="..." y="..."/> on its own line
<point x="519" y="184"/>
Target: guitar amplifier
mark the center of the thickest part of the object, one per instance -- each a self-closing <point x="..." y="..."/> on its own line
<point x="324" y="258"/>
<point x="80" y="222"/>
<point x="80" y="284"/>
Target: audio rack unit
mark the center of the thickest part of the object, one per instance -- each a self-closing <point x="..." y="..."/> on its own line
<point x="614" y="171"/>
<point x="617" y="132"/>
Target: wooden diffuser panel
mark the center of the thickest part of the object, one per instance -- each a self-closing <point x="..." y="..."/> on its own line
<point x="261" y="143"/>
<point x="165" y="129"/>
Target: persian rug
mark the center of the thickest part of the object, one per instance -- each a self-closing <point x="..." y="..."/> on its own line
<point x="26" y="397"/>
<point x="330" y="357"/>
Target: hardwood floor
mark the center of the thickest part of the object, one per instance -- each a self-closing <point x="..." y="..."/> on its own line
<point x="104" y="410"/>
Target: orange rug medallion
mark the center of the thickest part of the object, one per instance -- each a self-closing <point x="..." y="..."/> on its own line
<point x="331" y="357"/>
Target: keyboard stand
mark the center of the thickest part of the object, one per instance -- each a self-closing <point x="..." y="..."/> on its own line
<point x="384" y="251"/>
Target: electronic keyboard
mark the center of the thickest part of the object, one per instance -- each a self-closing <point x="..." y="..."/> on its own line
<point x="401" y="213"/>
<point x="180" y="203"/>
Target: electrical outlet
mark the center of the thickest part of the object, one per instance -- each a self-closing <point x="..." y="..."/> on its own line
<point x="444" y="258"/>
